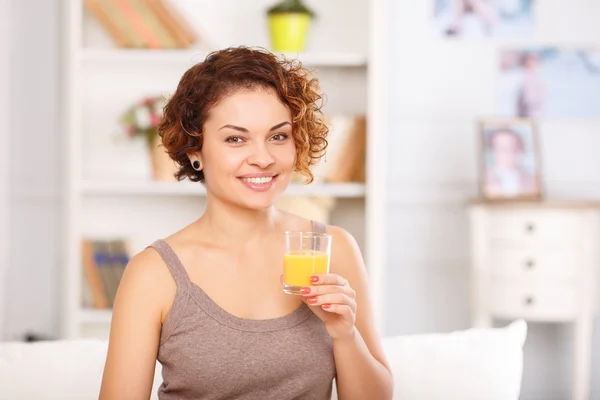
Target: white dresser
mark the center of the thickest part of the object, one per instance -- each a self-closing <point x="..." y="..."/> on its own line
<point x="538" y="261"/>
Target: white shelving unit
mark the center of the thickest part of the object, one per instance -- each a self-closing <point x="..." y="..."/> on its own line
<point x="116" y="197"/>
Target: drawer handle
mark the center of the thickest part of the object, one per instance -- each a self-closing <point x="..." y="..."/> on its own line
<point x="529" y="227"/>
<point x="529" y="264"/>
<point x="529" y="300"/>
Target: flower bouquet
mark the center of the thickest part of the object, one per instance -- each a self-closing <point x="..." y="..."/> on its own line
<point x="142" y="119"/>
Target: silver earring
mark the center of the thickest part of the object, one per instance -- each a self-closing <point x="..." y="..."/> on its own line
<point x="196" y="165"/>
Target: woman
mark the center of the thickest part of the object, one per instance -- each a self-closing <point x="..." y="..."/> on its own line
<point x="207" y="301"/>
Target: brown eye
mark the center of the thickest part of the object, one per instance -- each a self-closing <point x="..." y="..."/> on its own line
<point x="280" y="136"/>
<point x="234" y="139"/>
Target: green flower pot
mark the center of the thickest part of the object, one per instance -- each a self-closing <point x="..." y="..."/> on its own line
<point x="289" y="31"/>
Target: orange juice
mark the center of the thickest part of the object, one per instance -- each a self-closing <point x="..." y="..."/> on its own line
<point x="300" y="265"/>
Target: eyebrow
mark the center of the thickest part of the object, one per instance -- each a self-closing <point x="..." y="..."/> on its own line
<point x="241" y="129"/>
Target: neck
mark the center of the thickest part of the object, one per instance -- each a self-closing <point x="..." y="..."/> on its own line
<point x="229" y="224"/>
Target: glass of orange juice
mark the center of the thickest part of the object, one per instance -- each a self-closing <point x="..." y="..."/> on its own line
<point x="306" y="254"/>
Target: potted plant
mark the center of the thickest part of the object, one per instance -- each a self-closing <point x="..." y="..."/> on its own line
<point x="289" y="21"/>
<point x="142" y="119"/>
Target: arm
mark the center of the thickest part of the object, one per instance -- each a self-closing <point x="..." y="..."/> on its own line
<point x="362" y="368"/>
<point x="135" y="329"/>
<point x="341" y="299"/>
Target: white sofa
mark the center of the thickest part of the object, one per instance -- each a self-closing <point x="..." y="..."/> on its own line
<point x="473" y="364"/>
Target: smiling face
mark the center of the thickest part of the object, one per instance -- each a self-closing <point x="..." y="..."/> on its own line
<point x="507" y="149"/>
<point x="248" y="154"/>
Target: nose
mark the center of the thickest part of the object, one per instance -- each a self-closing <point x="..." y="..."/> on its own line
<point x="260" y="156"/>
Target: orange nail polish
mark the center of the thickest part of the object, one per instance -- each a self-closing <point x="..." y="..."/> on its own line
<point x="314" y="279"/>
<point x="305" y="290"/>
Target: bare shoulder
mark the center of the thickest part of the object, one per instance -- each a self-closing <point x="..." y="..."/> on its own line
<point x="291" y="221"/>
<point x="147" y="277"/>
<point x="346" y="257"/>
<point x="147" y="267"/>
<point x="342" y="237"/>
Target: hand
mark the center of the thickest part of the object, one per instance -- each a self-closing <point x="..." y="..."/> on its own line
<point x="333" y="300"/>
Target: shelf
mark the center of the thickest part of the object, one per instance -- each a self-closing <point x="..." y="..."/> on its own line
<point x="191" y="56"/>
<point x="186" y="188"/>
<point x="102" y="201"/>
<point x="94" y="316"/>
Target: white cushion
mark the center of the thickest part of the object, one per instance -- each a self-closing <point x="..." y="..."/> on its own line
<point x="467" y="365"/>
<point x="62" y="369"/>
<point x="473" y="364"/>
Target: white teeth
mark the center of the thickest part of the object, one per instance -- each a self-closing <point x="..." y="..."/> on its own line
<point x="259" y="181"/>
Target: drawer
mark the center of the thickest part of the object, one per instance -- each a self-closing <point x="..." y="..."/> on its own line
<point x="543" y="225"/>
<point x="535" y="263"/>
<point x="547" y="302"/>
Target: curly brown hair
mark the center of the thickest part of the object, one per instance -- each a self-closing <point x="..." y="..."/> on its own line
<point x="237" y="68"/>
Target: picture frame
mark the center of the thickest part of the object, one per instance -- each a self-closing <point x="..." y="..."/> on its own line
<point x="485" y="19"/>
<point x="543" y="82"/>
<point x="509" y="159"/>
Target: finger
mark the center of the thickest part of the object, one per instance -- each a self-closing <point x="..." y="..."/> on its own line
<point x="341" y="309"/>
<point x="333" y="298"/>
<point x="328" y="279"/>
<point x="320" y="290"/>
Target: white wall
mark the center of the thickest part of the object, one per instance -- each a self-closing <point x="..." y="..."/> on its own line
<point x="33" y="273"/>
<point x="4" y="152"/>
<point x="439" y="89"/>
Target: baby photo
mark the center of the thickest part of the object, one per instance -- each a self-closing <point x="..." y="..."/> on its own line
<point x="510" y="160"/>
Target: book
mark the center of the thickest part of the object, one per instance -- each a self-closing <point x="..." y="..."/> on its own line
<point x="151" y="26"/>
<point x="345" y="156"/>
<point x="127" y="11"/>
<point x="102" y="11"/>
<point x="95" y="283"/>
<point x="143" y="24"/>
<point x="181" y="32"/>
<point x="104" y="261"/>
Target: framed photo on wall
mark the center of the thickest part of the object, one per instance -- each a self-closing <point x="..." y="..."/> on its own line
<point x="548" y="82"/>
<point x="510" y="160"/>
<point x="509" y="19"/>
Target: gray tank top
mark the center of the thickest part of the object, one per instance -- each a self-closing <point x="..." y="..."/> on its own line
<point x="207" y="353"/>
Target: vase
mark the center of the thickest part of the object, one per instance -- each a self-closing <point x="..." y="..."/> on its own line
<point x="289" y="31"/>
<point x="163" y="167"/>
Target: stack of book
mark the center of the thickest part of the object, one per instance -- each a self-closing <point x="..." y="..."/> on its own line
<point x="143" y="24"/>
<point x="103" y="264"/>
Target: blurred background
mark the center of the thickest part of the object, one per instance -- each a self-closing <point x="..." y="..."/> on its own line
<point x="463" y="158"/>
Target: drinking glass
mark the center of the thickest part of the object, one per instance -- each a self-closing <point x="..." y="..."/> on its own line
<point x="306" y="254"/>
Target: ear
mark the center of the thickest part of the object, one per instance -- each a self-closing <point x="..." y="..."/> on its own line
<point x="195" y="161"/>
<point x="194" y="156"/>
